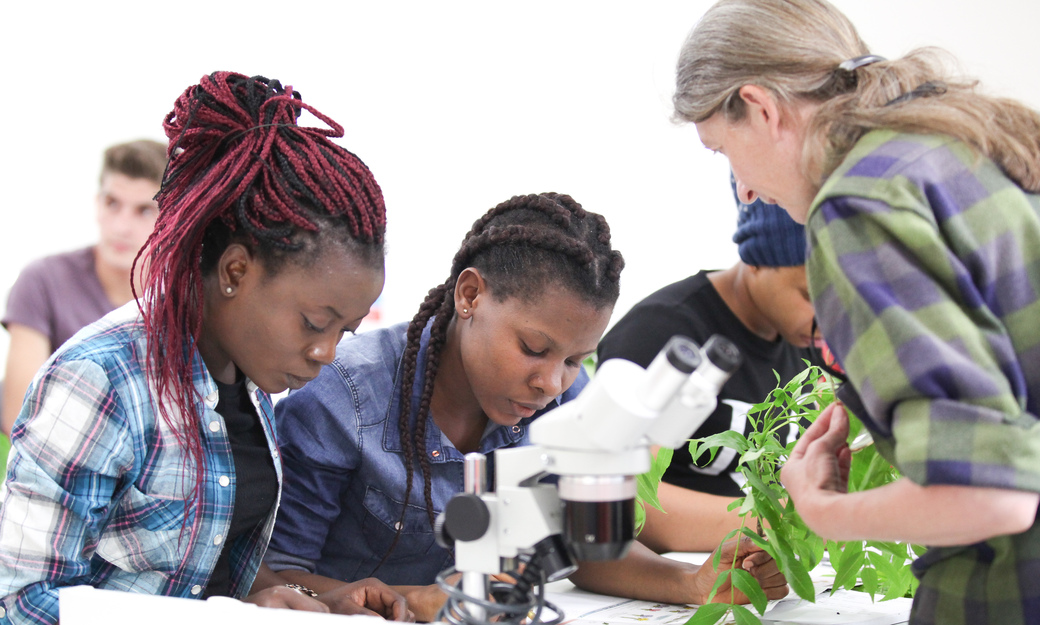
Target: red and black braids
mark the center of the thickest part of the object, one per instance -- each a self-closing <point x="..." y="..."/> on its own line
<point x="242" y="170"/>
<point x="522" y="247"/>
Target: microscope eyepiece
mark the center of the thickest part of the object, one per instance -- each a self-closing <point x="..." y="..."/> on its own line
<point x="723" y="353"/>
<point x="682" y="353"/>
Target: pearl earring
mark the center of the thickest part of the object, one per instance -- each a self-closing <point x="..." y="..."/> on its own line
<point x="228" y="290"/>
<point x="465" y="311"/>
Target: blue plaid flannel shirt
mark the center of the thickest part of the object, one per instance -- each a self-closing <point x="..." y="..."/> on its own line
<point x="97" y="491"/>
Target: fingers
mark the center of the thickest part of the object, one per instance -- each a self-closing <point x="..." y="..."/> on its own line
<point x="839" y="422"/>
<point x="765" y="570"/>
<point x="844" y="463"/>
<point x="400" y="612"/>
<point x="829" y="432"/>
<point x="814" y="432"/>
<point x="390" y="604"/>
<point x="375" y="597"/>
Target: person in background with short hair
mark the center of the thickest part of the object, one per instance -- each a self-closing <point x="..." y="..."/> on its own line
<point x="145" y="458"/>
<point x="920" y="197"/>
<point x="55" y="296"/>
<point x="762" y="305"/>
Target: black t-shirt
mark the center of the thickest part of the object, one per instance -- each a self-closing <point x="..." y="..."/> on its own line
<point x="256" y="483"/>
<point x="693" y="308"/>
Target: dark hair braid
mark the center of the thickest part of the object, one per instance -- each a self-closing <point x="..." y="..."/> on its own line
<point x="242" y="171"/>
<point x="522" y="247"/>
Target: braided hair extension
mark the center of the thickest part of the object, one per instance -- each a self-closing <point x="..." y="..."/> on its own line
<point x="522" y="247"/>
<point x="241" y="171"/>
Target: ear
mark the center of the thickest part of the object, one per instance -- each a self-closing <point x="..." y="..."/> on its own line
<point x="235" y="264"/>
<point x="469" y="289"/>
<point x="763" y="108"/>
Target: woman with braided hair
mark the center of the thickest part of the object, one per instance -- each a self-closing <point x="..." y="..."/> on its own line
<point x="921" y="200"/>
<point x="374" y="447"/>
<point x="145" y="456"/>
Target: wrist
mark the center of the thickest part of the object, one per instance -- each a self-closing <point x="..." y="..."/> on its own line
<point x="300" y="588"/>
<point x="697" y="583"/>
<point x="822" y="513"/>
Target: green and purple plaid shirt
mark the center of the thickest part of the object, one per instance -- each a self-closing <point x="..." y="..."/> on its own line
<point x="924" y="267"/>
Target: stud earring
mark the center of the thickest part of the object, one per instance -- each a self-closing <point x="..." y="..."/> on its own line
<point x="229" y="290"/>
<point x="465" y="311"/>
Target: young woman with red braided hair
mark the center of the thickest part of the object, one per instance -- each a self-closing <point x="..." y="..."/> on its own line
<point x="145" y="458"/>
<point x="374" y="447"/>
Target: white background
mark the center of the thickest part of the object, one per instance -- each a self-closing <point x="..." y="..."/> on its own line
<point x="455" y="106"/>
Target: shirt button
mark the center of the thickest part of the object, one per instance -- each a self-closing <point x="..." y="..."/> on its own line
<point x="213" y="397"/>
<point x="214" y="426"/>
<point x="397" y="526"/>
<point x="3" y="612"/>
<point x="516" y="429"/>
<point x="435" y="453"/>
<point x="218" y="539"/>
<point x="196" y="589"/>
<point x="224" y="480"/>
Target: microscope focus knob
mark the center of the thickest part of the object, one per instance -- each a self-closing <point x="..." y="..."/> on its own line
<point x="465" y="518"/>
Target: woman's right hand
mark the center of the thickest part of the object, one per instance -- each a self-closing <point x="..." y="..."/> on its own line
<point x="818" y="467"/>
<point x="370" y="597"/>
<point x="426" y="601"/>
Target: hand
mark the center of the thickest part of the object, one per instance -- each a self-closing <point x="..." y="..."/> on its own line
<point x="819" y="463"/>
<point x="370" y="597"/>
<point x="743" y="554"/>
<point x="286" y="598"/>
<point x="427" y="601"/>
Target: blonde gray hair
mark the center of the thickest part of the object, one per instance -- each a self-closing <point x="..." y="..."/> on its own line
<point x="794" y="48"/>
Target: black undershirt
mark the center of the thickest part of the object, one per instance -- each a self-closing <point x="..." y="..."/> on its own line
<point x="693" y="308"/>
<point x="256" y="484"/>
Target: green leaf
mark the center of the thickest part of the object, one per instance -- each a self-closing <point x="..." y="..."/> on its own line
<point x="758" y="540"/>
<point x="795" y="571"/>
<point x="744" y="616"/>
<point x="898" y="584"/>
<point x="759" y="488"/>
<point x="752" y="455"/>
<point x="870" y="580"/>
<point x="661" y="460"/>
<point x="883" y="567"/>
<point x="729" y="438"/>
<point x="748" y="585"/>
<point x="719" y="581"/>
<point x="847" y="573"/>
<point x="708" y="614"/>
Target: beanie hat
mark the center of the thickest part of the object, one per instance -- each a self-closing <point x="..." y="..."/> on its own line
<point x="766" y="235"/>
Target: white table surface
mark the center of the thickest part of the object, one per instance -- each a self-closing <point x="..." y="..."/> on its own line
<point x="84" y="605"/>
<point x="585" y="608"/>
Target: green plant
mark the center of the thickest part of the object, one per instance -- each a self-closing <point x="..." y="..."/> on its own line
<point x="769" y="518"/>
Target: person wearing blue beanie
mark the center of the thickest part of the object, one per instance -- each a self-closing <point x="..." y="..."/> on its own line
<point x="766" y="235"/>
<point x="761" y="304"/>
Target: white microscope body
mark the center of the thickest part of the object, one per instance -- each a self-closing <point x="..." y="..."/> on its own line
<point x="597" y="444"/>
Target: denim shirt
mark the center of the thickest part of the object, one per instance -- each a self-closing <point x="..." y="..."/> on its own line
<point x="344" y="470"/>
<point x="97" y="490"/>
